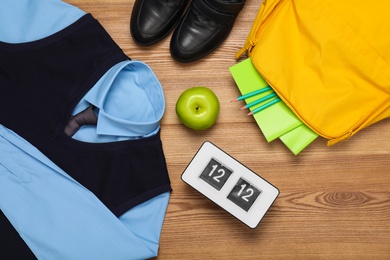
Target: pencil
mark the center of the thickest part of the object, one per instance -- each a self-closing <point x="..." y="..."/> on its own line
<point x="251" y="94"/>
<point x="259" y="101"/>
<point x="276" y="100"/>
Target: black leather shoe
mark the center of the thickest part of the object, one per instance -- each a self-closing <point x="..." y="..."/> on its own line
<point x="204" y="27"/>
<point x="152" y="20"/>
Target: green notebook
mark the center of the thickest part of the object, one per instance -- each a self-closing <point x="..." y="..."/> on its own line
<point x="297" y="139"/>
<point x="277" y="120"/>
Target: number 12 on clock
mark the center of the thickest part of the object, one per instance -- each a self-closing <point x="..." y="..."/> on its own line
<point x="216" y="174"/>
<point x="244" y="194"/>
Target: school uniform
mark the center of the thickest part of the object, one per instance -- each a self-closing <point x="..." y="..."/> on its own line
<point x="100" y="192"/>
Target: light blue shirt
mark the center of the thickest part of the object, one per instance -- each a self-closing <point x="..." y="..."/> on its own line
<point x="56" y="216"/>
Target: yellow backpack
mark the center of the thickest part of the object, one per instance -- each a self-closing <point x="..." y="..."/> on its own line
<point x="327" y="59"/>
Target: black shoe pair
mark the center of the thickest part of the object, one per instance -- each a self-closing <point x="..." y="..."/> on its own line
<point x="203" y="27"/>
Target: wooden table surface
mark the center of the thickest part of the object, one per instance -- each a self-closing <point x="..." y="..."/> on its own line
<point x="334" y="202"/>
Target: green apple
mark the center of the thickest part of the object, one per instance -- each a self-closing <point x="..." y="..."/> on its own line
<point x="197" y="108"/>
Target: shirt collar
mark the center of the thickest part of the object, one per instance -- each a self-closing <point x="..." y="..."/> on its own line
<point x="130" y="100"/>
